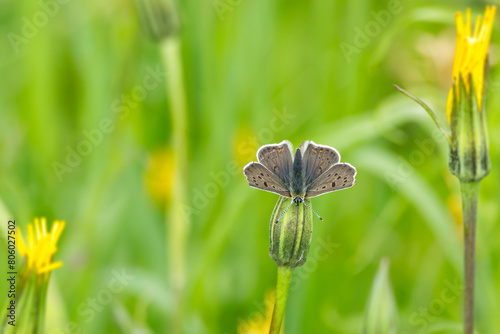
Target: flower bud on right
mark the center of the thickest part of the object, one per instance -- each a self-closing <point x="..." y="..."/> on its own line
<point x="469" y="151"/>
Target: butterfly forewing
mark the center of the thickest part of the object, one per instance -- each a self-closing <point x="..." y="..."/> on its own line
<point x="278" y="159"/>
<point x="262" y="178"/>
<point x="339" y="176"/>
<point x="317" y="159"/>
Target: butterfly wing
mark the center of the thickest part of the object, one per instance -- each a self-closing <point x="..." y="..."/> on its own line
<point x="339" y="176"/>
<point x="262" y="178"/>
<point x="316" y="160"/>
<point x="277" y="158"/>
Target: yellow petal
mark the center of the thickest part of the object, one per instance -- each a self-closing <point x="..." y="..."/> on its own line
<point x="44" y="227"/>
<point x="57" y="229"/>
<point x="471" y="53"/>
<point x="50" y="267"/>
<point x="31" y="237"/>
<point x="38" y="233"/>
<point x="41" y="245"/>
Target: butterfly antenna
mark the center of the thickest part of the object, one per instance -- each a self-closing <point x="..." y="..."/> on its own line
<point x="313" y="211"/>
<point x="291" y="202"/>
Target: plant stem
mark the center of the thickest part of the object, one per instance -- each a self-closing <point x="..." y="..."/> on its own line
<point x="40" y="302"/>
<point x="177" y="223"/>
<point x="470" y="191"/>
<point x="282" y="286"/>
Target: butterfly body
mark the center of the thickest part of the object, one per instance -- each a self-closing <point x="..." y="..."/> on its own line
<point x="297" y="184"/>
<point x="313" y="170"/>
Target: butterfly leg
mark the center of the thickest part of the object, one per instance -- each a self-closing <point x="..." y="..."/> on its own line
<point x="313" y="211"/>
<point x="291" y="202"/>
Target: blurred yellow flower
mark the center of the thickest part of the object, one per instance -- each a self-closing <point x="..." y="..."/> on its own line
<point x="260" y="324"/>
<point x="454" y="204"/>
<point x="245" y="146"/>
<point x="159" y="175"/>
<point x="41" y="245"/>
<point x="470" y="55"/>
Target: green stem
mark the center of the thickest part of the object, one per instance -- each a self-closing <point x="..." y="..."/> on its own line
<point x="175" y="220"/>
<point x="282" y="286"/>
<point x="40" y="302"/>
<point x="470" y="191"/>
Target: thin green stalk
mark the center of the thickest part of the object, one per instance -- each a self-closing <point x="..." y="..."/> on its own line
<point x="470" y="191"/>
<point x="4" y="216"/>
<point x="40" y="302"/>
<point x="282" y="286"/>
<point x="175" y="220"/>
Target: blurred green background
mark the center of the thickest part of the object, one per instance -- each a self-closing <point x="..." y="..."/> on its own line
<point x="255" y="72"/>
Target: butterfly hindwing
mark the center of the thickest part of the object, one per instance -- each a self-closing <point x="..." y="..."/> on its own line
<point x="339" y="176"/>
<point x="262" y="178"/>
<point x="317" y="159"/>
<point x="277" y="158"/>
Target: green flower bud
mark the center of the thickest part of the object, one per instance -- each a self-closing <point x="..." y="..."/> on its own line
<point x="291" y="236"/>
<point x="158" y="18"/>
<point x="469" y="151"/>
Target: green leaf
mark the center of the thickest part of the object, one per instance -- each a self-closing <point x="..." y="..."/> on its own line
<point x="417" y="191"/>
<point x="444" y="127"/>
<point x="381" y="310"/>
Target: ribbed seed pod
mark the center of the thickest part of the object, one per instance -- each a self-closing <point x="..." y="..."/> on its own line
<point x="291" y="236"/>
<point x="469" y="151"/>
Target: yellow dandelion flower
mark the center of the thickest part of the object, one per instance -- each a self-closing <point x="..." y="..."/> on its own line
<point x="260" y="323"/>
<point x="470" y="55"/>
<point x="41" y="245"/>
<point x="453" y="202"/>
<point x="159" y="175"/>
<point x="245" y="145"/>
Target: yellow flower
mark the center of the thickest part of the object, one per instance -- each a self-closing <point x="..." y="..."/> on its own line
<point x="470" y="55"/>
<point x="260" y="323"/>
<point x="454" y="204"/>
<point x="466" y="129"/>
<point x="159" y="175"/>
<point x="41" y="245"/>
<point x="245" y="145"/>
